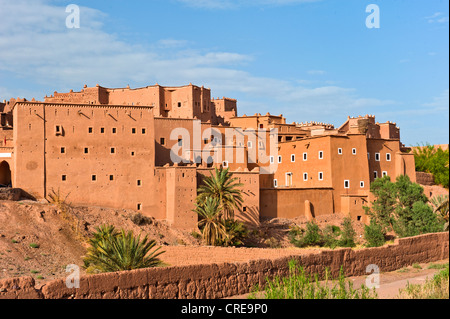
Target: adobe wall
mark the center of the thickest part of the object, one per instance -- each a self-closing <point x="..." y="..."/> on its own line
<point x="212" y="281"/>
<point x="425" y="178"/>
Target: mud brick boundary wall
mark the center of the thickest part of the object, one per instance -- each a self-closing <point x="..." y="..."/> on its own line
<point x="227" y="279"/>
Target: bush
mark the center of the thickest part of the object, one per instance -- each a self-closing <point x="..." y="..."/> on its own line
<point x="236" y="233"/>
<point x="111" y="251"/>
<point x="312" y="236"/>
<point x="373" y="235"/>
<point x="348" y="234"/>
<point x="433" y="160"/>
<point x="330" y="236"/>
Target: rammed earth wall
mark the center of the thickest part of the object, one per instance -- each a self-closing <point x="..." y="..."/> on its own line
<point x="225" y="280"/>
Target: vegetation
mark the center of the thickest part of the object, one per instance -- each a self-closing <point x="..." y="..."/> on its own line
<point x="299" y="285"/>
<point x="373" y="235"/>
<point x="401" y="206"/>
<point x="34" y="245"/>
<point x="435" y="288"/>
<point x="441" y="207"/>
<point x="331" y="236"/>
<point x="111" y="250"/>
<point x="433" y="160"/>
<point x="217" y="200"/>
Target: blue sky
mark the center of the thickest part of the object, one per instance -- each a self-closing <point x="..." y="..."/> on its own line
<point x="308" y="60"/>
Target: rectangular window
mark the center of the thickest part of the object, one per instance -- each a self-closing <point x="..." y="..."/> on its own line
<point x="275" y="183"/>
<point x="377" y="157"/>
<point x="293" y="158"/>
<point x="162" y="141"/>
<point x="320" y="176"/>
<point x="139" y="183"/>
<point x="320" y="154"/>
<point x="179" y="104"/>
<point x="114" y="130"/>
<point x="139" y="206"/>
<point x="113" y="150"/>
<point x="94" y="178"/>
<point x="102" y="130"/>
<point x="305" y="156"/>
<point x="111" y="177"/>
<point x="63" y="178"/>
<point x="86" y="150"/>
<point x="63" y="150"/>
<point x="205" y="141"/>
<point x="133" y="130"/>
<point x="143" y="131"/>
<point x="346" y="184"/>
<point x="340" y="151"/>
<point x="90" y="130"/>
<point x="225" y="163"/>
<point x="361" y="184"/>
<point x="279" y="159"/>
<point x="249" y="144"/>
<point x="375" y="174"/>
<point x="354" y="151"/>
<point x="388" y="157"/>
<point x="272" y="160"/>
<point x="132" y="153"/>
<point x="305" y="177"/>
<point x="384" y="173"/>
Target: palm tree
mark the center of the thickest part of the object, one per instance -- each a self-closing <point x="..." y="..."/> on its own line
<point x="441" y="207"/>
<point x="213" y="229"/>
<point x="223" y="187"/>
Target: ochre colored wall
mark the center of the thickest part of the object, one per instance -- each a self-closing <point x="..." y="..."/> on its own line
<point x="212" y="281"/>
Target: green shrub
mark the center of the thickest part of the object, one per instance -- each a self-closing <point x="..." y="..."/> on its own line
<point x="313" y="235"/>
<point x="331" y="234"/>
<point x="111" y="251"/>
<point x="348" y="234"/>
<point x="34" y="245"/>
<point x="373" y="235"/>
<point x="433" y="160"/>
<point x="236" y="233"/>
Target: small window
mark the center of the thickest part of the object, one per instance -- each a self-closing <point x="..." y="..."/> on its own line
<point x="361" y="184"/>
<point x="346" y="184"/>
<point x="111" y="177"/>
<point x="162" y="141"/>
<point x="340" y="151"/>
<point x="377" y="157"/>
<point x="279" y="159"/>
<point x="133" y="130"/>
<point x="272" y="160"/>
<point x="86" y="150"/>
<point x="180" y="142"/>
<point x="244" y="208"/>
<point x="205" y="141"/>
<point x="63" y="150"/>
<point x="358" y="218"/>
<point x="225" y="163"/>
<point x="113" y="150"/>
<point x="275" y="183"/>
<point x="139" y="206"/>
<point x="375" y="174"/>
<point x="143" y="131"/>
<point x="94" y="178"/>
<point x="320" y="154"/>
<point x="320" y="176"/>
<point x="139" y="182"/>
<point x="63" y="178"/>
<point x="249" y="144"/>
<point x="102" y="130"/>
<point x="179" y="104"/>
<point x="293" y="158"/>
<point x="132" y="153"/>
<point x="114" y="130"/>
<point x="305" y="156"/>
<point x="90" y="130"/>
<point x="305" y="177"/>
<point x="384" y="173"/>
<point x="388" y="157"/>
<point x="354" y="151"/>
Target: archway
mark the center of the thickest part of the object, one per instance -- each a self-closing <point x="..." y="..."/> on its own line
<point x="5" y="174"/>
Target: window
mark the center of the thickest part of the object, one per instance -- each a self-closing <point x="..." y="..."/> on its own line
<point x="179" y="104"/>
<point x="63" y="150"/>
<point x="133" y="130"/>
<point x="143" y="131"/>
<point x="354" y="151"/>
<point x="225" y="163"/>
<point x="288" y="179"/>
<point x="102" y="130"/>
<point x="261" y="125"/>
<point x="180" y="142"/>
<point x="114" y="130"/>
<point x="320" y="176"/>
<point x="162" y="141"/>
<point x="359" y="218"/>
<point x="279" y="159"/>
<point x="388" y="157"/>
<point x="90" y="130"/>
<point x="293" y="158"/>
<point x="305" y="177"/>
<point x="375" y="174"/>
<point x="384" y="173"/>
<point x="244" y="208"/>
<point x="249" y="144"/>
<point x="139" y="206"/>
<point x="272" y="160"/>
<point x="205" y="141"/>
<point x="377" y="157"/>
<point x="340" y="151"/>
<point x="320" y="154"/>
<point x="139" y="183"/>
<point x="275" y="183"/>
<point x="94" y="178"/>
<point x="346" y="184"/>
<point x="368" y="156"/>
<point x="86" y="150"/>
<point x="58" y="129"/>
<point x="113" y="150"/>
<point x="361" y="184"/>
<point x="111" y="177"/>
<point x="63" y="178"/>
<point x="132" y="153"/>
<point x="305" y="156"/>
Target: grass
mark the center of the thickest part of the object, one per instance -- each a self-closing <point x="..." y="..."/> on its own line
<point x="34" y="245"/>
<point x="437" y="266"/>
<point x="416" y="266"/>
<point x="299" y="285"/>
<point x="435" y="288"/>
<point x="34" y="271"/>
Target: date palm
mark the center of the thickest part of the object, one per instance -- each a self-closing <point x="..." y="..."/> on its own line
<point x="213" y="229"/>
<point x="224" y="187"/>
<point x="441" y="207"/>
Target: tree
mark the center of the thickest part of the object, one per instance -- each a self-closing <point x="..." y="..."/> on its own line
<point x="225" y="188"/>
<point x="348" y="233"/>
<point x="441" y="207"/>
<point x="211" y="225"/>
<point x="433" y="160"/>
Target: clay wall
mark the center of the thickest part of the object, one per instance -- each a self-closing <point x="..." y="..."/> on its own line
<point x="212" y="281"/>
